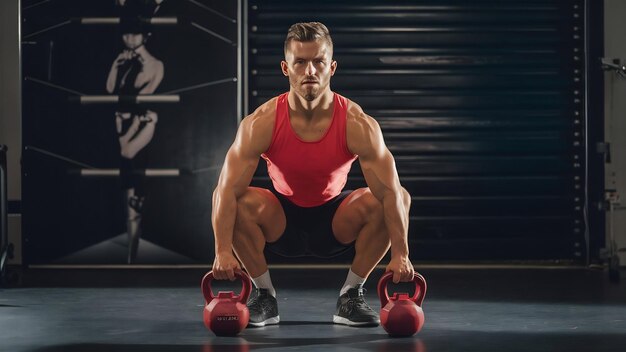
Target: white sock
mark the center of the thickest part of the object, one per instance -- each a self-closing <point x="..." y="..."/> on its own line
<point x="265" y="281"/>
<point x="351" y="281"/>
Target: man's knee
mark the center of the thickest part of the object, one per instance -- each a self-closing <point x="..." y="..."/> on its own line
<point x="248" y="212"/>
<point x="374" y="215"/>
<point x="249" y="207"/>
<point x="372" y="208"/>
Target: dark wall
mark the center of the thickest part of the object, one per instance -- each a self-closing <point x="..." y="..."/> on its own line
<point x="482" y="103"/>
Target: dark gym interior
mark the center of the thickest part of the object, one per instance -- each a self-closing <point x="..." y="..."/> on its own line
<point x="506" y="120"/>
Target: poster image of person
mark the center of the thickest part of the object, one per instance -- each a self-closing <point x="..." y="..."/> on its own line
<point x="124" y="122"/>
<point x="135" y="71"/>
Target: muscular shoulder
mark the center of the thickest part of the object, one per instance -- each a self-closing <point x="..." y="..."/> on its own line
<point x="362" y="130"/>
<point x="262" y="119"/>
<point x="256" y="128"/>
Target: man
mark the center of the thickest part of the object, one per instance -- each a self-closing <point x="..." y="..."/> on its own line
<point x="309" y="138"/>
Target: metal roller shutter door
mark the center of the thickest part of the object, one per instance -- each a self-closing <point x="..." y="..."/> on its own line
<point x="480" y="102"/>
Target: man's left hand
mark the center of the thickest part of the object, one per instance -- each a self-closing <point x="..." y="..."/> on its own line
<point x="402" y="269"/>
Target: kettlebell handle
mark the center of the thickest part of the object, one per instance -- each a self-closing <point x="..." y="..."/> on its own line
<point x="246" y="286"/>
<point x="418" y="296"/>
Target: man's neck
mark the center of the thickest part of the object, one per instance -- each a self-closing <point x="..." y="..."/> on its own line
<point x="310" y="109"/>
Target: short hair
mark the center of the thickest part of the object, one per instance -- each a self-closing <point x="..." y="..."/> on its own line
<point x="308" y="32"/>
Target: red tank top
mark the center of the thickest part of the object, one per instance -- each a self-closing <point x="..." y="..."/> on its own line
<point x="309" y="173"/>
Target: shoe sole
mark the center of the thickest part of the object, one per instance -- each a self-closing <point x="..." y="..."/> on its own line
<point x="341" y="320"/>
<point x="270" y="321"/>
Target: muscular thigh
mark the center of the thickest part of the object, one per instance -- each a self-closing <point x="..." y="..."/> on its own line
<point x="265" y="210"/>
<point x="353" y="214"/>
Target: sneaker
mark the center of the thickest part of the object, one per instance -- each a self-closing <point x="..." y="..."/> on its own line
<point x="352" y="309"/>
<point x="263" y="308"/>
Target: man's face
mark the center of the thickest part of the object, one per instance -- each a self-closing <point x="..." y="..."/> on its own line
<point x="309" y="66"/>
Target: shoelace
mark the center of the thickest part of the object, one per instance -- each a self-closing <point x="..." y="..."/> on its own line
<point x="358" y="302"/>
<point x="254" y="301"/>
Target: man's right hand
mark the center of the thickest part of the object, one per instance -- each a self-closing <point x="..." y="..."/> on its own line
<point x="224" y="266"/>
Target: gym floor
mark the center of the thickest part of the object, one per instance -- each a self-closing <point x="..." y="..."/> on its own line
<point x="477" y="309"/>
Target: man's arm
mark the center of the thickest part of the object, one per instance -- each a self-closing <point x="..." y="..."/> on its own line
<point x="366" y="140"/>
<point x="253" y="138"/>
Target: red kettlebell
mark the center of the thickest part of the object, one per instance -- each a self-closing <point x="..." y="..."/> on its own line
<point x="400" y="314"/>
<point x="226" y="314"/>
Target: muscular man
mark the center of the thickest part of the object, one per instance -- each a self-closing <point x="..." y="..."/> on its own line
<point x="309" y="138"/>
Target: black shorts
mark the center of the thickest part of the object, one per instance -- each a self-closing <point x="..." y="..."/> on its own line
<point x="309" y="231"/>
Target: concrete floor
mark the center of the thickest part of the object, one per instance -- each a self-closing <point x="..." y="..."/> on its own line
<point x="466" y="310"/>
